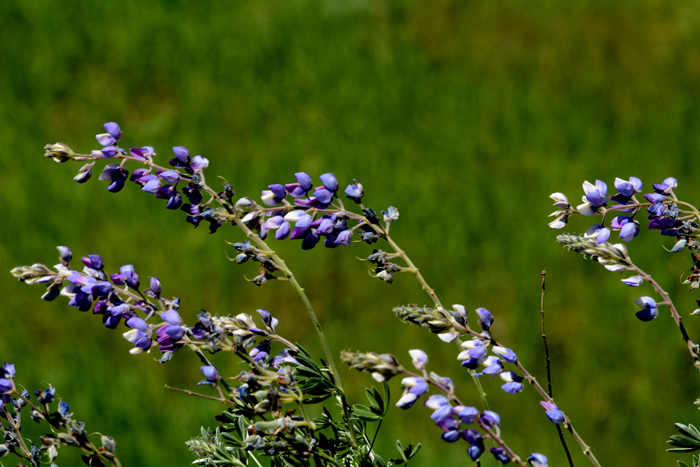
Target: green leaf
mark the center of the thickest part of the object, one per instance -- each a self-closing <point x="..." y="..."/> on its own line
<point x="689" y="431"/>
<point x="401" y="449"/>
<point x="387" y="395"/>
<point x="380" y="402"/>
<point x="682" y="464"/>
<point x="379" y="461"/>
<point x="682" y="449"/>
<point x="413" y="451"/>
<point x="683" y="441"/>
<point x="696" y="461"/>
<point x="364" y="414"/>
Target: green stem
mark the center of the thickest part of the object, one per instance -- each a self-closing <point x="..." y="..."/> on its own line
<point x="310" y="312"/>
<point x="482" y="394"/>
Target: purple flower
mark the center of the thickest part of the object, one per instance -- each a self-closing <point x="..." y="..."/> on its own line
<point x="507" y="354"/>
<point x="648" y="306"/>
<point x="114" y="134"/>
<point x="626" y="189"/>
<point x="451" y="436"/>
<point x="115" y="174"/>
<point x="152" y="184"/>
<point x="6" y="386"/>
<point x="274" y="195"/>
<point x="629" y="231"/>
<point x="304" y="181"/>
<point x="600" y="233"/>
<point x="139" y="335"/>
<point x="323" y="196"/>
<point x="199" y="163"/>
<point x="490" y="419"/>
<point x="442" y="413"/>
<point x="142" y="153"/>
<point x="513" y="382"/>
<point x="666" y="187"/>
<point x="344" y="237"/>
<point x="156" y="288"/>
<point x="355" y="192"/>
<point x="65" y="255"/>
<point x="474" y="438"/>
<point x="171" y="317"/>
<point x="182" y="154"/>
<point x="310" y="240"/>
<point x="330" y="182"/>
<point x="419" y="358"/>
<point x="126" y="276"/>
<point x="260" y="352"/>
<point x="633" y="281"/>
<point x="485" y="318"/>
<point x="468" y="414"/>
<point x="7" y="371"/>
<point x="436" y="401"/>
<point x="170" y="176"/>
<point x="500" y="455"/>
<point x="268" y="319"/>
<point x="211" y="373"/>
<point x="182" y="159"/>
<point x="302" y="187"/>
<point x="407" y="400"/>
<point x="93" y="261"/>
<point x="84" y="174"/>
<point x="595" y="198"/>
<point x="628" y="227"/>
<point x="555" y="415"/>
<point x="537" y="460"/>
<point x="174" y="202"/>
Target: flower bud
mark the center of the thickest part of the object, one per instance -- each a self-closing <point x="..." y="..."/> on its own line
<point x="60" y="152"/>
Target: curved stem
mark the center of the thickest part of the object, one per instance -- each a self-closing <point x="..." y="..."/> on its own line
<point x="402" y="254"/>
<point x="692" y="348"/>
<point x="531" y="379"/>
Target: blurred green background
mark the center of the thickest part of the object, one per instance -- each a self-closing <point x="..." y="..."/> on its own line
<point x="465" y="115"/>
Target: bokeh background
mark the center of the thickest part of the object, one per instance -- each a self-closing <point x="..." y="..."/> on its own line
<point x="465" y="115"/>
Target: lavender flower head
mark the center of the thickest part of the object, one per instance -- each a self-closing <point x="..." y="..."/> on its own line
<point x="554" y="415"/>
<point x="114" y="134"/>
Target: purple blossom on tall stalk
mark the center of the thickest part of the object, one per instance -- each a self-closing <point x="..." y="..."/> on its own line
<point x="553" y="413"/>
<point x="666" y="187"/>
<point x="114" y="134"/>
<point x="649" y="310"/>
<point x="626" y="190"/>
<point x="595" y="197"/>
<point x="597" y="231"/>
<point x="537" y="460"/>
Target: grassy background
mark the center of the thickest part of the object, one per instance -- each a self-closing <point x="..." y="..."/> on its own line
<point x="466" y="115"/>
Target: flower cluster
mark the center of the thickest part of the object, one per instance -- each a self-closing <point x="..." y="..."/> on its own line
<point x="448" y="413"/>
<point x="663" y="212"/>
<point x="118" y="298"/>
<point x="315" y="213"/>
<point x="65" y="431"/>
<point x="451" y="325"/>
